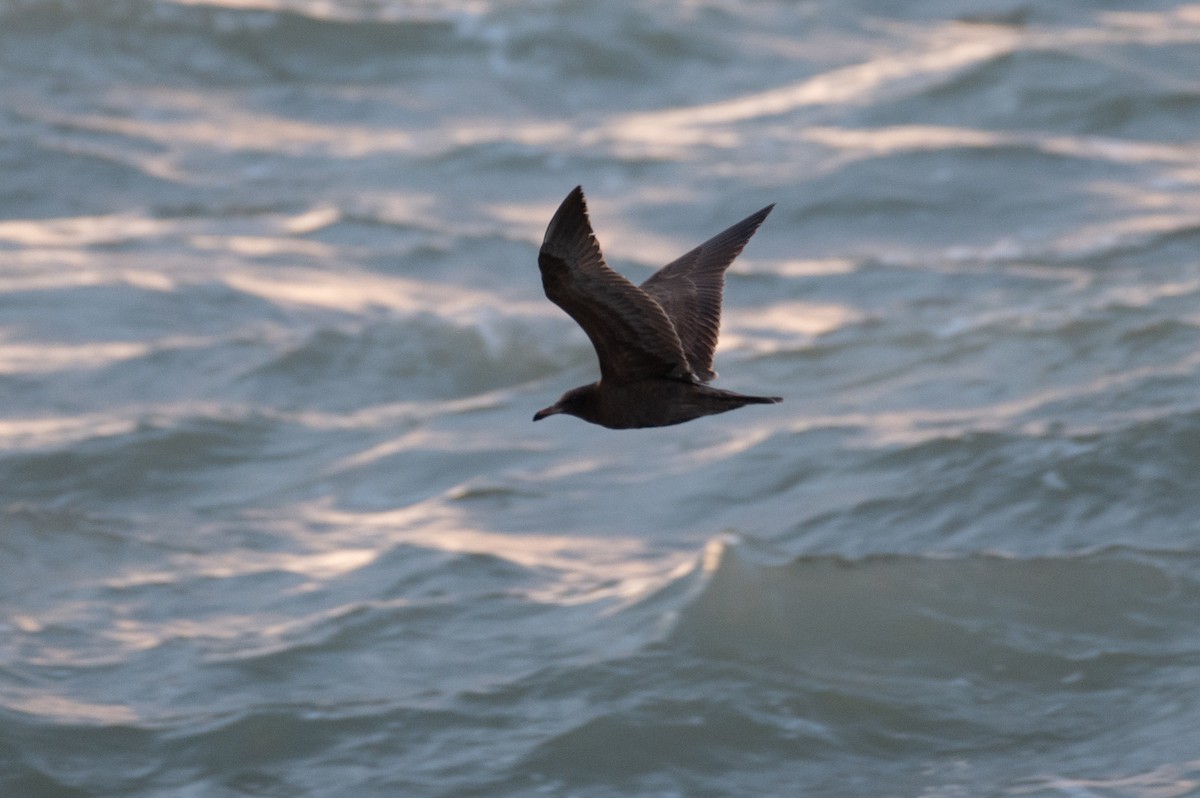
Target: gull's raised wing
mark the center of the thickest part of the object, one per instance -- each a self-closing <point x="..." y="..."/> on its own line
<point x="632" y="334"/>
<point x="689" y="289"/>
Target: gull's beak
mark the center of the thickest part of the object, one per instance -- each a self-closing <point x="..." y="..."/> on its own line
<point x="547" y="411"/>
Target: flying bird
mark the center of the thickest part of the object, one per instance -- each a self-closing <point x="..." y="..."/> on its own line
<point x="655" y="342"/>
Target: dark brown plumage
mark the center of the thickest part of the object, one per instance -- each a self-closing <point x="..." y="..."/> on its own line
<point x="655" y="342"/>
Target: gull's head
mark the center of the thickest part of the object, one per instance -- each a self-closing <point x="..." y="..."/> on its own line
<point x="581" y="402"/>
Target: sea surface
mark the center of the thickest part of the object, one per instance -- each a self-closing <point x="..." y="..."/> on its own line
<point x="274" y="517"/>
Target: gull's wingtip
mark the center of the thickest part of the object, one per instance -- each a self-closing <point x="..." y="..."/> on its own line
<point x="575" y="196"/>
<point x="571" y="209"/>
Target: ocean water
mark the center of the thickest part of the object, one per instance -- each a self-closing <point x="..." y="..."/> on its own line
<point x="274" y="520"/>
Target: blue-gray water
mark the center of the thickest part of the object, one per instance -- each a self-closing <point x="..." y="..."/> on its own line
<point x="274" y="520"/>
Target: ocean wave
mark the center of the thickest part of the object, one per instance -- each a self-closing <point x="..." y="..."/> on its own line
<point x="775" y="668"/>
<point x="1080" y="620"/>
<point x="238" y="43"/>
<point x="419" y="358"/>
<point x="151" y="458"/>
<point x="894" y="484"/>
